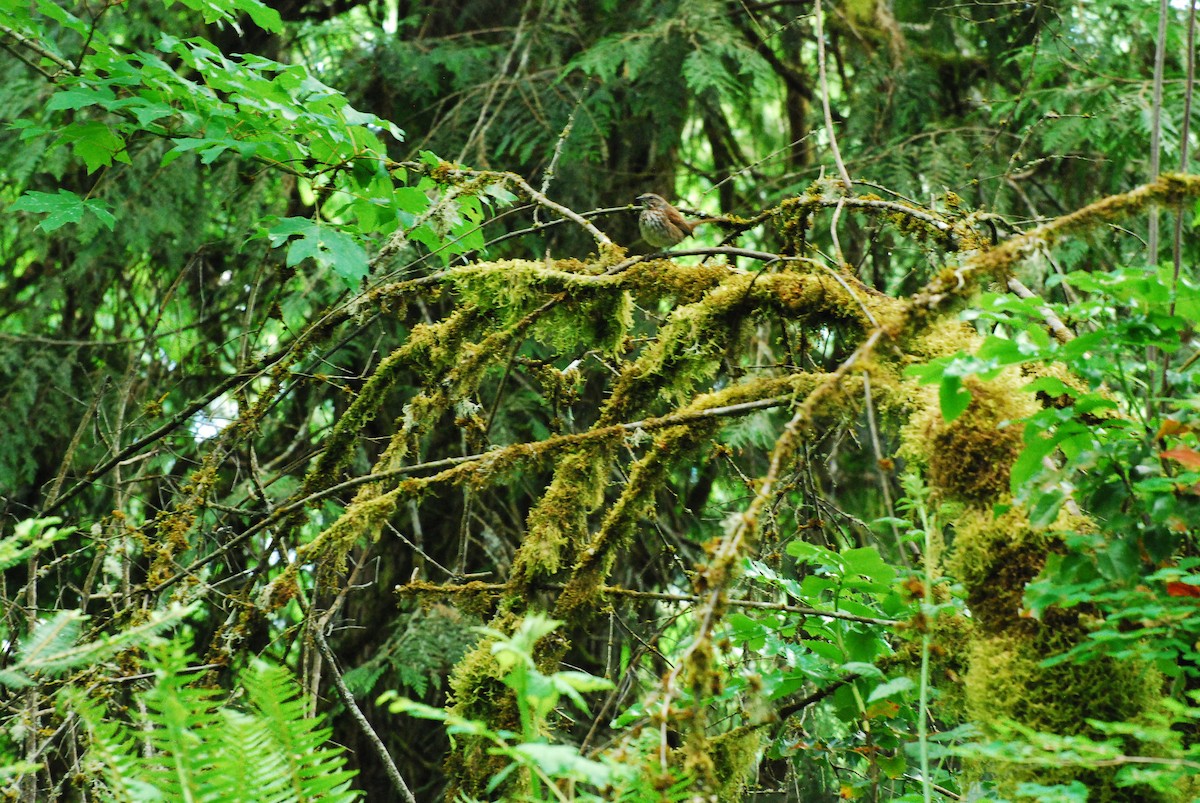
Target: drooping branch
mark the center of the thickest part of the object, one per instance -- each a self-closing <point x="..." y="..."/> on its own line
<point x="468" y="179"/>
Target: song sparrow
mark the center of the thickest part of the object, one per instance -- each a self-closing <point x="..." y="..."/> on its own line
<point x="661" y="224"/>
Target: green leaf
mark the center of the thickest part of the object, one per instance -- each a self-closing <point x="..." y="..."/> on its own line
<point x="1045" y="508"/>
<point x="263" y="15"/>
<point x="559" y="761"/>
<point x="56" y="12"/>
<point x="326" y="246"/>
<point x="62" y="208"/>
<point x="1037" y="447"/>
<point x="868" y="562"/>
<point x="863" y="669"/>
<point x="1119" y="560"/>
<point x="229" y="10"/>
<point x="830" y="652"/>
<point x="95" y="143"/>
<point x="953" y="398"/>
<point x="891" y="688"/>
<point x="811" y="553"/>
<point x="1051" y="386"/>
<point x="80" y="97"/>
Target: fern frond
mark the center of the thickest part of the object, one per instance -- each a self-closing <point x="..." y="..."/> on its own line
<point x="51" y="648"/>
<point x="112" y="752"/>
<point x="42" y="649"/>
<point x="188" y="747"/>
<point x="39" y="533"/>
<point x="315" y="771"/>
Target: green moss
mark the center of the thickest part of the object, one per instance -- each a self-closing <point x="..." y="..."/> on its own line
<point x="654" y="280"/>
<point x="589" y="314"/>
<point x="646" y="476"/>
<point x="477" y="692"/>
<point x="558" y="522"/>
<point x="970" y="459"/>
<point x="1008" y="682"/>
<point x="429" y="348"/>
<point x="968" y="462"/>
<point x="734" y="759"/>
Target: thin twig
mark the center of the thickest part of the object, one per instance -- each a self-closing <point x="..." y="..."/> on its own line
<point x="421" y="587"/>
<point x="451" y="173"/>
<point x="1060" y="330"/>
<point x="1184" y="134"/>
<point x="389" y="766"/>
<point x="36" y="47"/>
<point x="833" y="146"/>
<point x="1160" y="49"/>
<point x="764" y="256"/>
<point x="884" y="485"/>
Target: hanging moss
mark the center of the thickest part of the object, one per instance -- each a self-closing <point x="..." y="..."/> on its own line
<point x="430" y="346"/>
<point x="559" y="519"/>
<point x="734" y="759"/>
<point x="969" y="461"/>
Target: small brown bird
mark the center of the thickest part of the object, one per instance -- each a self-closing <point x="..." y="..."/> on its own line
<point x="661" y="224"/>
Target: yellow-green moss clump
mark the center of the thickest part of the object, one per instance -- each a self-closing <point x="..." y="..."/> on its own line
<point x="970" y="459"/>
<point x="734" y="757"/>
<point x="967" y="464"/>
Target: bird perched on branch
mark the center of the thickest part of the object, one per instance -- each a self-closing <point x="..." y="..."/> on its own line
<point x="662" y="225"/>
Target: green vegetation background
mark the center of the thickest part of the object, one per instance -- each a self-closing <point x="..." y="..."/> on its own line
<point x="352" y="443"/>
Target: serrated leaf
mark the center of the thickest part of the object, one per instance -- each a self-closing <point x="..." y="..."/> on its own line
<point x="95" y="143"/>
<point x="80" y="97"/>
<point x="326" y="246"/>
<point x="891" y="688"/>
<point x="62" y="208"/>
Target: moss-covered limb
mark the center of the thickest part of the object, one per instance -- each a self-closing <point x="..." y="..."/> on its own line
<point x="971" y="459"/>
<point x="177" y="521"/>
<point x="792" y="213"/>
<point x="663" y="278"/>
<point x="173" y="525"/>
<point x="1000" y="261"/>
<point x="482" y="596"/>
<point x="372" y="506"/>
<point x="473" y="597"/>
<point x="537" y="557"/>
<point x="466" y="366"/>
<point x="581" y="315"/>
<point x="690" y="346"/>
<point x="595" y="560"/>
<point x="646" y="477"/>
<point x="559" y="520"/>
<point x="432" y="347"/>
<point x="557" y="524"/>
<point x="478" y="468"/>
<point x="474" y="181"/>
<point x="499" y="302"/>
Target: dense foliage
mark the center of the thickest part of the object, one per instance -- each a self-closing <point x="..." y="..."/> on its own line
<point x="354" y="444"/>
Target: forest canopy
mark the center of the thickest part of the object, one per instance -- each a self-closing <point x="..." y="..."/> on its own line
<point x="673" y="400"/>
